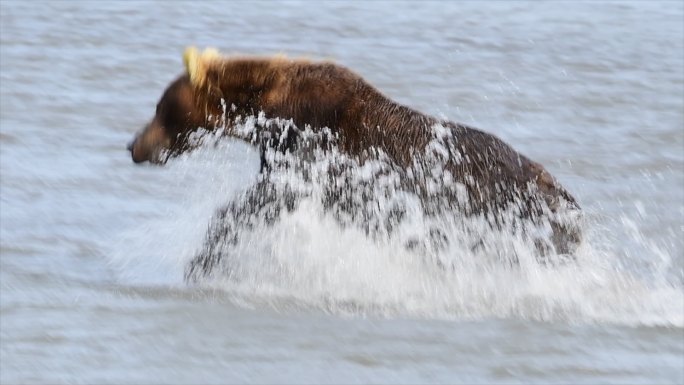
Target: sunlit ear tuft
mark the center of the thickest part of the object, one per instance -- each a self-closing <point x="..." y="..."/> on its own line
<point x="196" y="64"/>
<point x="190" y="59"/>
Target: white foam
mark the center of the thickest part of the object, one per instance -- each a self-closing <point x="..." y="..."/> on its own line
<point x="307" y="259"/>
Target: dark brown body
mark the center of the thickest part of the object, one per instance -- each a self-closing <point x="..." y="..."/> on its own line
<point x="328" y="95"/>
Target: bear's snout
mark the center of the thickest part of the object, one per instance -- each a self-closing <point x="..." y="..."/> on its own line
<point x="149" y="144"/>
<point x="130" y="145"/>
<point x="136" y="154"/>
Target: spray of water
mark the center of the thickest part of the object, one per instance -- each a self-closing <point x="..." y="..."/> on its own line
<point x="365" y="242"/>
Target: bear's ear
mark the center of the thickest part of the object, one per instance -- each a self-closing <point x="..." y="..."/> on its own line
<point x="196" y="64"/>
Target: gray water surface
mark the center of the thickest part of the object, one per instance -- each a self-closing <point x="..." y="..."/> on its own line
<point x="93" y="247"/>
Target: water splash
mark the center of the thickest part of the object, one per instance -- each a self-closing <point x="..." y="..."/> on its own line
<point x="313" y="257"/>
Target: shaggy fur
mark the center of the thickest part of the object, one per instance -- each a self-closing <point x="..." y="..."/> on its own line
<point x="216" y="90"/>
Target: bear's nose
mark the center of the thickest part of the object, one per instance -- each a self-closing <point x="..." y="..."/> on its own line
<point x="130" y="145"/>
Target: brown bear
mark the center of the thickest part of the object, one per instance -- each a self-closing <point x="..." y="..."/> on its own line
<point x="216" y="91"/>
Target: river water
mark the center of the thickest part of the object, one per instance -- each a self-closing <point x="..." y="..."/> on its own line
<point x="93" y="247"/>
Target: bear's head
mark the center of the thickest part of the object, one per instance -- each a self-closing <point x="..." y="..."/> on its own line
<point x="181" y="110"/>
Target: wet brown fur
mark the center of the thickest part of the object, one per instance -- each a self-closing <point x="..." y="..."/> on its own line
<point x="323" y="94"/>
